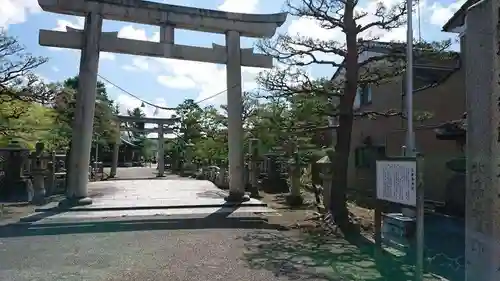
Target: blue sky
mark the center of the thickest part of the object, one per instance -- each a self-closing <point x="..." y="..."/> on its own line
<point x="169" y="82"/>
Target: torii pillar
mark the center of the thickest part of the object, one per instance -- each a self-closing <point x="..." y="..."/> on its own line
<point x="81" y="141"/>
<point x="161" y="150"/>
<point x="116" y="153"/>
<point x="235" y="124"/>
<point x="482" y="64"/>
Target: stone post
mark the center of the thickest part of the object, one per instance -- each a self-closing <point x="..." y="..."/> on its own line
<point x="161" y="151"/>
<point x="326" y="177"/>
<point x="254" y="168"/>
<point x="51" y="186"/>
<point x="38" y="174"/>
<point x="189" y="167"/>
<point x="84" y="112"/>
<point x="295" y="197"/>
<point x="222" y="175"/>
<point x="482" y="253"/>
<point x="235" y="124"/>
<point x="116" y="153"/>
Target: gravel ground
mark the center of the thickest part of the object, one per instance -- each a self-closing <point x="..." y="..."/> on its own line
<point x="113" y="253"/>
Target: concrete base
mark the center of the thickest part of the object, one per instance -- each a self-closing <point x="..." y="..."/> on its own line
<point x="237" y="197"/>
<point x="74" y="202"/>
<point x="39" y="200"/>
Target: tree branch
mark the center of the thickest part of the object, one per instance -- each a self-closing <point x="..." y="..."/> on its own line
<point x="387" y="18"/>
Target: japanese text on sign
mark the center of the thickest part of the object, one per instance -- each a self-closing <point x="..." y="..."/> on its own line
<point x="397" y="182"/>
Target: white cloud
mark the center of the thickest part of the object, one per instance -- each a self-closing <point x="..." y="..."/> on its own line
<point x="129" y="68"/>
<point x="16" y="11"/>
<point x="130" y="32"/>
<point x="106" y="56"/>
<point x="440" y="14"/>
<point x="61" y="25"/>
<point x="176" y="82"/>
<point x="126" y="102"/>
<point x="55" y="69"/>
<point x="138" y="64"/>
<point x="209" y="78"/>
<point x="238" y="6"/>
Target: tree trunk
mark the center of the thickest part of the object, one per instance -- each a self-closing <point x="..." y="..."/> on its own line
<point x="340" y="163"/>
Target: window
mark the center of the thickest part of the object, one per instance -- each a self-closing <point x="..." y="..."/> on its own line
<point x="363" y="96"/>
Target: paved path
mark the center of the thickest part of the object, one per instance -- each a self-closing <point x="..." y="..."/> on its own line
<point x="194" y="237"/>
<point x="132" y="198"/>
<point x="125" y="173"/>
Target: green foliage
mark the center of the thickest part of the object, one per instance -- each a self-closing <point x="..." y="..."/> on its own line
<point x="105" y="129"/>
<point x="28" y="123"/>
<point x="138" y="136"/>
<point x="286" y="122"/>
<point x="24" y="120"/>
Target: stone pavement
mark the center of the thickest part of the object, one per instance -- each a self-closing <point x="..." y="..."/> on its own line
<point x="140" y="198"/>
<point x="136" y="230"/>
<point x="128" y="173"/>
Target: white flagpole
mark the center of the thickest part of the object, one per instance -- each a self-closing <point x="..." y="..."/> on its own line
<point x="410" y="140"/>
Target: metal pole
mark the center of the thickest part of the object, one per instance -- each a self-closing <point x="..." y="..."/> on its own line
<point x="410" y="145"/>
<point x="420" y="236"/>
<point x="96" y="155"/>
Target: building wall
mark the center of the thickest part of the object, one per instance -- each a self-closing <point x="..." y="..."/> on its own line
<point x="445" y="102"/>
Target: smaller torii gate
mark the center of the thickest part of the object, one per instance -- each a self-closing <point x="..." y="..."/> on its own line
<point x="164" y="126"/>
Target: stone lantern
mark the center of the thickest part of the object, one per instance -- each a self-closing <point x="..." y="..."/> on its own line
<point x="38" y="172"/>
<point x="295" y="197"/>
<point x="188" y="168"/>
<point x="253" y="165"/>
<point x="12" y="169"/>
<point x="326" y="176"/>
<point x="223" y="180"/>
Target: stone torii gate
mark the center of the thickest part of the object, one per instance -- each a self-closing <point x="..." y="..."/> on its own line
<point x="164" y="127"/>
<point x="91" y="40"/>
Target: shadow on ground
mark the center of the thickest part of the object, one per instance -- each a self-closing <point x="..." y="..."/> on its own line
<point x="218" y="220"/>
<point x="281" y="203"/>
<point x="319" y="257"/>
<point x="135" y="178"/>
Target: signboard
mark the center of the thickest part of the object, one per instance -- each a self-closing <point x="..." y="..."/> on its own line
<point x="397" y="181"/>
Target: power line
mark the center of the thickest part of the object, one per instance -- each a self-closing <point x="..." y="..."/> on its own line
<point x="134" y="96"/>
<point x="157" y="106"/>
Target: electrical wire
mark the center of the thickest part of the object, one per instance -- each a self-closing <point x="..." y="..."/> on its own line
<point x="157" y="106"/>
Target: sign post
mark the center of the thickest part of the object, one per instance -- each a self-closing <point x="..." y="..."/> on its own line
<point x="399" y="180"/>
